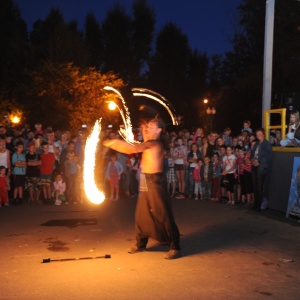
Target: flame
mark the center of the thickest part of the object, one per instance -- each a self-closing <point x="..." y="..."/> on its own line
<point x="93" y="194"/>
<point x="126" y="133"/>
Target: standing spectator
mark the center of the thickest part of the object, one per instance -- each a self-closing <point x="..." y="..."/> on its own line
<point x="3" y="187"/>
<point x="33" y="181"/>
<point x="193" y="157"/>
<point x="206" y="174"/>
<point x="39" y="129"/>
<point x="209" y="148"/>
<point x="4" y="155"/>
<point x="133" y="164"/>
<point x="198" y="180"/>
<point x="46" y="171"/>
<point x="246" y="126"/>
<point x="64" y="154"/>
<point x="19" y="171"/>
<point x="229" y="168"/>
<point x="171" y="180"/>
<point x="198" y="133"/>
<point x="227" y="137"/>
<point x="72" y="171"/>
<point x="240" y="172"/>
<point x="180" y="156"/>
<point x="79" y="146"/>
<point x="248" y="177"/>
<point x="217" y="170"/>
<point x="113" y="174"/>
<point x="261" y="155"/>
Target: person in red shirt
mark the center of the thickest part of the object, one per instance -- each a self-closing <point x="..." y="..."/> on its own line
<point x="46" y="170"/>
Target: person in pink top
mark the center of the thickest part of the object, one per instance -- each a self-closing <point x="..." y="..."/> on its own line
<point x="59" y="188"/>
<point x="3" y="187"/>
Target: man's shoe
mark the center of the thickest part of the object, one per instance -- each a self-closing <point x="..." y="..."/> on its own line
<point x="136" y="249"/>
<point x="172" y="254"/>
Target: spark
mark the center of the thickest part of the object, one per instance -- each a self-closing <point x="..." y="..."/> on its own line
<point x="126" y="133"/>
<point x="160" y="99"/>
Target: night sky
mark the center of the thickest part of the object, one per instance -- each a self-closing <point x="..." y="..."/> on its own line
<point x="207" y="23"/>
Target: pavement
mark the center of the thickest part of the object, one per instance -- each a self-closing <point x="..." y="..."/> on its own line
<point x="229" y="252"/>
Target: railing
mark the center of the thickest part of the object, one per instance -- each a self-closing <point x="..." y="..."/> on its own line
<point x="267" y="118"/>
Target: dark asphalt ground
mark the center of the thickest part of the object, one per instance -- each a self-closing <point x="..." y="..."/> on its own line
<point x="229" y="252"/>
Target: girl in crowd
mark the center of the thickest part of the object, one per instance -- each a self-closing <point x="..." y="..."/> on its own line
<point x="59" y="188"/>
<point x="19" y="171"/>
<point x="171" y="180"/>
<point x="229" y="168"/>
<point x="290" y="139"/>
<point x="180" y="156"/>
<point x="3" y="187"/>
<point x="113" y="174"/>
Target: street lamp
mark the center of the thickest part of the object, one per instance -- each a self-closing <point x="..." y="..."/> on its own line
<point x="211" y="112"/>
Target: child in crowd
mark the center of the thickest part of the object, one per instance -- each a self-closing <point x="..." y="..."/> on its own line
<point x="198" y="180"/>
<point x="217" y="170"/>
<point x="240" y="171"/>
<point x="33" y="181"/>
<point x="198" y="133"/>
<point x="72" y="171"/>
<point x="3" y="187"/>
<point x="229" y="167"/>
<point x="246" y="126"/>
<point x="180" y="157"/>
<point x="59" y="188"/>
<point x="290" y="139"/>
<point x="227" y="137"/>
<point x="114" y="170"/>
<point x="46" y="170"/>
<point x="192" y="159"/>
<point x="19" y="171"/>
<point x="133" y="165"/>
<point x="206" y="174"/>
<point x="171" y="180"/>
<point x="248" y="178"/>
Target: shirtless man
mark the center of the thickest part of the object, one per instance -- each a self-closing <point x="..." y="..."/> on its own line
<point x="154" y="214"/>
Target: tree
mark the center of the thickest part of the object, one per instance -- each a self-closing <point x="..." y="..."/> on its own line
<point x="13" y="48"/>
<point x="142" y="37"/>
<point x="117" y="47"/>
<point x="168" y="67"/>
<point x="65" y="96"/>
<point x="56" y="41"/>
<point x="93" y="41"/>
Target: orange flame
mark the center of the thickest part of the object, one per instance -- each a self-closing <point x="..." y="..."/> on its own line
<point x="93" y="194"/>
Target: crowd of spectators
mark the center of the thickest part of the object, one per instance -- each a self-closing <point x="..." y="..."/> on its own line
<point x="45" y="166"/>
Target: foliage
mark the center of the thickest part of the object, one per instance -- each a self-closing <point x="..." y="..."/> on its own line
<point x="66" y="96"/>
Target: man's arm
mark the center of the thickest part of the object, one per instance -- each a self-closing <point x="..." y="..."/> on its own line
<point x="124" y="147"/>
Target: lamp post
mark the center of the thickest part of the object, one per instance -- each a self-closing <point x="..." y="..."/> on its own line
<point x="211" y="113"/>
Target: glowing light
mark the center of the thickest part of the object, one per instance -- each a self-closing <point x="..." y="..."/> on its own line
<point x="15" y="120"/>
<point x="160" y="99"/>
<point x="112" y="105"/>
<point x="126" y="133"/>
<point x="205" y="101"/>
<point x="93" y="194"/>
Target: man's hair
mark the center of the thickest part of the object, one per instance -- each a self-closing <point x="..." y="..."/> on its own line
<point x="260" y="129"/>
<point x="19" y="143"/>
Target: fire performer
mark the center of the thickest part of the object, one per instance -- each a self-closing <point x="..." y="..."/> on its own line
<point x="154" y="213"/>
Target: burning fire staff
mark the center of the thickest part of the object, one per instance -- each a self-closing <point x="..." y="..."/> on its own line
<point x="154" y="214"/>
